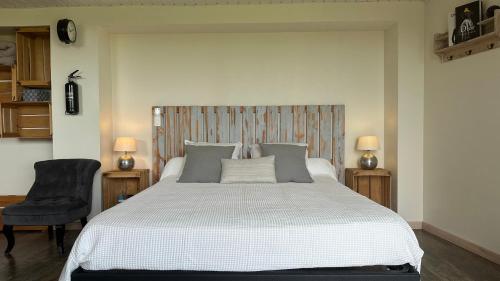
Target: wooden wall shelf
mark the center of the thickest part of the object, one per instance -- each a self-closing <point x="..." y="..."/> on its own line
<point x="33" y="56"/>
<point x="486" y="42"/>
<point x="26" y="120"/>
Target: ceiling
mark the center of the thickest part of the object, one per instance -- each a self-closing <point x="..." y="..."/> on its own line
<point x="87" y="3"/>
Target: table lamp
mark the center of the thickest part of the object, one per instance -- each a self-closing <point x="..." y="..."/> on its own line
<point x="125" y="144"/>
<point x="368" y="161"/>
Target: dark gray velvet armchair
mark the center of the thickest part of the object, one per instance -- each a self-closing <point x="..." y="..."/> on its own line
<point x="62" y="193"/>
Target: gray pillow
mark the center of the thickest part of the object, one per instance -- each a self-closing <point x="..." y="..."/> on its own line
<point x="290" y="162"/>
<point x="203" y="163"/>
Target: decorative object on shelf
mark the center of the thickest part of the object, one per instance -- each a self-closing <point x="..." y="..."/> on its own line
<point x="467" y="18"/>
<point x="66" y="31"/>
<point x="451" y="28"/>
<point x="34" y="95"/>
<point x="368" y="161"/>
<point x="72" y="97"/>
<point x="125" y="144"/>
<point x="490" y="12"/>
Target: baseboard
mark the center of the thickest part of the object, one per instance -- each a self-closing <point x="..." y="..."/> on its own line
<point x="460" y="242"/>
<point x="415" y="224"/>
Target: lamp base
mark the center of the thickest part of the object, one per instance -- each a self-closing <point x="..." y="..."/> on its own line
<point x="368" y="161"/>
<point x="126" y="162"/>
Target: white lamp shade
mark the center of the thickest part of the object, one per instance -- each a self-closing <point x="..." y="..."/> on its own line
<point x="368" y="143"/>
<point x="125" y="144"/>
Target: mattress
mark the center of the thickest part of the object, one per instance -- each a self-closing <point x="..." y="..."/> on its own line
<point x="244" y="227"/>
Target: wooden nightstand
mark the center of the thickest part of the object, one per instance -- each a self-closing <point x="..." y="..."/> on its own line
<point x="127" y="183"/>
<point x="374" y="184"/>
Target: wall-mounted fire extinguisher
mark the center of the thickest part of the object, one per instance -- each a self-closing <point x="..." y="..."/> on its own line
<point x="72" y="98"/>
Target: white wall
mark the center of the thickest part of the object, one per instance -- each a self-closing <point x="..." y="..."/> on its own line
<point x="16" y="163"/>
<point x="80" y="135"/>
<point x="462" y="187"/>
<point x="249" y="69"/>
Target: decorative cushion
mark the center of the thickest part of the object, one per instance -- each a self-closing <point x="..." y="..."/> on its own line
<point x="290" y="162"/>
<point x="203" y="163"/>
<point x="321" y="167"/>
<point x="237" y="146"/>
<point x="260" y="170"/>
<point x="256" y="150"/>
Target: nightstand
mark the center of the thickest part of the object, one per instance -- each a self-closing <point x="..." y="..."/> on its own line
<point x="123" y="184"/>
<point x="374" y="184"/>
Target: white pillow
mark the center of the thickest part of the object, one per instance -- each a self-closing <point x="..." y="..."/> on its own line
<point x="256" y="150"/>
<point x="259" y="170"/>
<point x="236" y="152"/>
<point x="321" y="167"/>
<point x="173" y="168"/>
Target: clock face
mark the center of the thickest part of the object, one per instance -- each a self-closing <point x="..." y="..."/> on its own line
<point x="71" y="31"/>
<point x="66" y="31"/>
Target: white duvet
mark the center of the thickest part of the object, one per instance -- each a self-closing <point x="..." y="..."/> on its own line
<point x="244" y="227"/>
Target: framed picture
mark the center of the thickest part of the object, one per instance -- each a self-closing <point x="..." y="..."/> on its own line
<point x="467" y="18"/>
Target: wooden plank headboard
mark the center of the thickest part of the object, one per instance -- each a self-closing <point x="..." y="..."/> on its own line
<point x="321" y="126"/>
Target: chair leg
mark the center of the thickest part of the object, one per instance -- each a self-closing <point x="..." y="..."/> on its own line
<point x="60" y="238"/>
<point x="50" y="230"/>
<point x="8" y="231"/>
<point x="83" y="221"/>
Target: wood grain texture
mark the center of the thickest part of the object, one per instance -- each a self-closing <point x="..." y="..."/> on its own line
<point x="248" y="137"/>
<point x="320" y="126"/>
<point x="129" y="183"/>
<point x="313" y="130"/>
<point x="374" y="184"/>
<point x="260" y="124"/>
<point x="286" y="124"/>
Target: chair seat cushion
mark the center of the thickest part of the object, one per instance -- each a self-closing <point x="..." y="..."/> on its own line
<point x="47" y="211"/>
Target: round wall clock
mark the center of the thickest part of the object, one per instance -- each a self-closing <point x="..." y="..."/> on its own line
<point x="66" y="31"/>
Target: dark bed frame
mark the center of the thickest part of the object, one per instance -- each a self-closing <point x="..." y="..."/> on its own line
<point x="374" y="273"/>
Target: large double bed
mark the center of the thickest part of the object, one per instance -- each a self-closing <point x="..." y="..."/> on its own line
<point x="244" y="228"/>
<point x="253" y="231"/>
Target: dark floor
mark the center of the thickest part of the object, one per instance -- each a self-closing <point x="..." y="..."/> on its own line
<point x="35" y="258"/>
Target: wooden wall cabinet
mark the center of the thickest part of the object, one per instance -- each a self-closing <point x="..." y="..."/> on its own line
<point x="374" y="184"/>
<point x="128" y="183"/>
<point x="33" y="56"/>
<point x="26" y="120"/>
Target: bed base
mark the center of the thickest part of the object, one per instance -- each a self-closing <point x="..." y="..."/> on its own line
<point x="375" y="273"/>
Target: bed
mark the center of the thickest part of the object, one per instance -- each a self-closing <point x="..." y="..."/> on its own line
<point x="211" y="231"/>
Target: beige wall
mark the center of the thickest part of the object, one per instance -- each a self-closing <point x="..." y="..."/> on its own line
<point x="249" y="69"/>
<point x="16" y="163"/>
<point x="79" y="136"/>
<point x="461" y="188"/>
